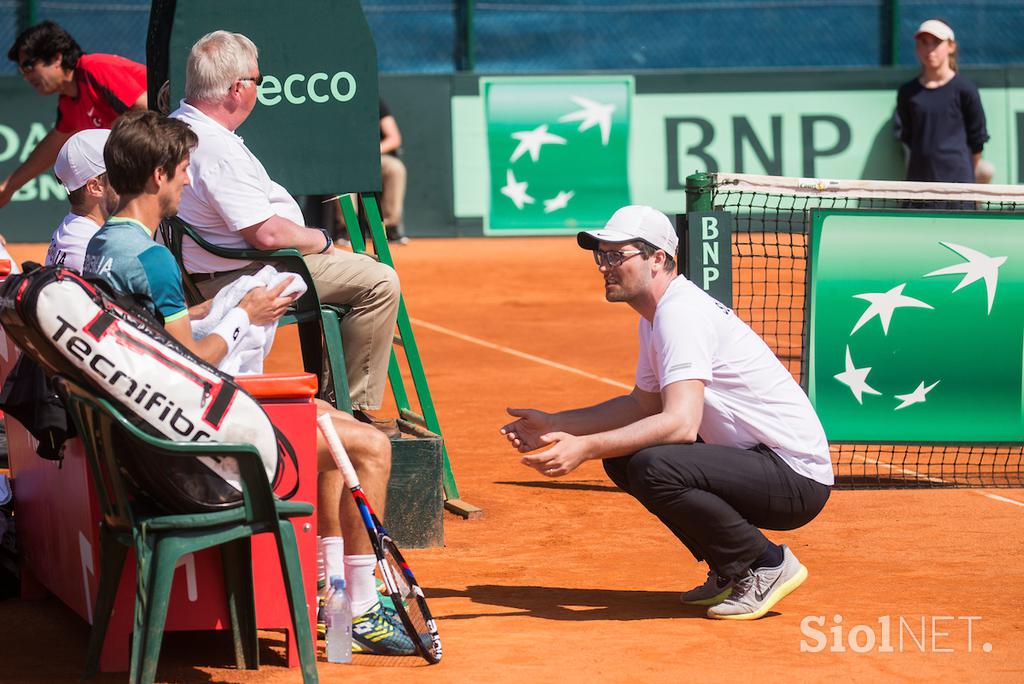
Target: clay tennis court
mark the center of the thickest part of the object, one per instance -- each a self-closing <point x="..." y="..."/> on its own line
<point x="569" y="580"/>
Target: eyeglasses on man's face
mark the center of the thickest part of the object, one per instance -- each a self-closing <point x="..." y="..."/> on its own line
<point x="613" y="258"/>
<point x="27" y="65"/>
<point x="257" y="79"/>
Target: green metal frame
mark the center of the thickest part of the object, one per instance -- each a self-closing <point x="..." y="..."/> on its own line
<point x="699" y="190"/>
<point x="891" y="33"/>
<point x="315" y="318"/>
<point x="465" y="40"/>
<point x="317" y="321"/>
<point x="29" y="14"/>
<point x="160" y="540"/>
<point x="406" y="340"/>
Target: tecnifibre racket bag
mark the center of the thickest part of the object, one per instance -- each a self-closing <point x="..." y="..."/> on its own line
<point x="73" y="327"/>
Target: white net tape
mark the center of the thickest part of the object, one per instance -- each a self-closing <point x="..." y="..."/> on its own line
<point x="857" y="189"/>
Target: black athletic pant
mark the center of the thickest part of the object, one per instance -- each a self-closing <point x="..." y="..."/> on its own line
<point x="714" y="498"/>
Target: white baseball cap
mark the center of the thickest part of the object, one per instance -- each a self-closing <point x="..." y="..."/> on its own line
<point x="634" y="222"/>
<point x="81" y="158"/>
<point x="939" y="29"/>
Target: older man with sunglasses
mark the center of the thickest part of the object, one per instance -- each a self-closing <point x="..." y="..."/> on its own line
<point x="716" y="438"/>
<point x="94" y="90"/>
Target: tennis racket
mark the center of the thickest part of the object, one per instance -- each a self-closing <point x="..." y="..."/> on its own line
<point x="399" y="582"/>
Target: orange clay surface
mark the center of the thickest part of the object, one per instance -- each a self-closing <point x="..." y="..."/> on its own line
<point x="571" y="581"/>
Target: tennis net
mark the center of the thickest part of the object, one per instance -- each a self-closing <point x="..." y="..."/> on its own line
<point x="772" y="219"/>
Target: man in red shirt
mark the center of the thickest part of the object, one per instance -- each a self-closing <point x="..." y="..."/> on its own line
<point x="94" y="90"/>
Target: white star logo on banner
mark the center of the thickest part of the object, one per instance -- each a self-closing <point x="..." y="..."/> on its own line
<point x="883" y="304"/>
<point x="978" y="266"/>
<point x="516" y="190"/>
<point x="856" y="379"/>
<point x="559" y="201"/>
<point x="531" y="141"/>
<point x="592" y="114"/>
<point x="915" y="397"/>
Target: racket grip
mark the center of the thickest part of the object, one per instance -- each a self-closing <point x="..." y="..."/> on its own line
<point x="337" y="449"/>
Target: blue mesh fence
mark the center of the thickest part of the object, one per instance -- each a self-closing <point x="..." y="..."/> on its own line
<point x="9" y="25"/>
<point x="567" y="35"/>
<point x="531" y="36"/>
<point x="114" y="27"/>
<point x="612" y="34"/>
<point x="987" y="32"/>
<point x="413" y="36"/>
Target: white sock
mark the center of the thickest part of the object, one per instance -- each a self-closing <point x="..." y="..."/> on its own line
<point x="361" y="585"/>
<point x="334" y="555"/>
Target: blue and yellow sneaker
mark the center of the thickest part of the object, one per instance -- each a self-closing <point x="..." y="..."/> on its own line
<point x="379" y="631"/>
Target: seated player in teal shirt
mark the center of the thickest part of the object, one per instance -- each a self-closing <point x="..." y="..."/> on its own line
<point x="123" y="253"/>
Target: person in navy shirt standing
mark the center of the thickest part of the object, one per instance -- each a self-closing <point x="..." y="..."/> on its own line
<point x="939" y="114"/>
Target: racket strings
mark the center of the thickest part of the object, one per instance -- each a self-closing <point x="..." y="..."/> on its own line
<point x="411" y="602"/>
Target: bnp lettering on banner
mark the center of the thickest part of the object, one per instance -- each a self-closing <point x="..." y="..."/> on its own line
<point x="709" y="252"/>
<point x="558" y="152"/>
<point x="917" y="326"/>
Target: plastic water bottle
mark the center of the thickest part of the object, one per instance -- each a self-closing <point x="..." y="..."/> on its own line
<point x="338" y="618"/>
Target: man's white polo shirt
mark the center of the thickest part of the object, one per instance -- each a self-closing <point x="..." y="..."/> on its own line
<point x="749" y="396"/>
<point x="230" y="190"/>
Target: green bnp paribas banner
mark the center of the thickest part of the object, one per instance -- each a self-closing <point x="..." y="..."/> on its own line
<point x="917" y="326"/>
<point x="558" y="152"/>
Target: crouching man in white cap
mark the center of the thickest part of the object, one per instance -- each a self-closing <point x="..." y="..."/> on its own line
<point x="716" y="438"/>
<point x="80" y="168"/>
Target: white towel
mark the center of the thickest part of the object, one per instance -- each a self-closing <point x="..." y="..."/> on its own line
<point x="247" y="356"/>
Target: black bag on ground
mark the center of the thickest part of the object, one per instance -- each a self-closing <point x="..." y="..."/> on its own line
<point x="75" y="328"/>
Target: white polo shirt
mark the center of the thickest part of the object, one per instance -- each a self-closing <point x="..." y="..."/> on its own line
<point x="230" y="190"/>
<point x="749" y="396"/>
<point x="67" y="246"/>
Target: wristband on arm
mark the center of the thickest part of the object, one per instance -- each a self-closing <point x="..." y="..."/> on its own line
<point x="327" y="237"/>
<point x="232" y="327"/>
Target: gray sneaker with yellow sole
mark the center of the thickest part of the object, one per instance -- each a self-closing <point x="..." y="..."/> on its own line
<point x="759" y="590"/>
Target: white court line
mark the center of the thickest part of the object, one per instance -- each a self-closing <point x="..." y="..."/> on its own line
<point x="614" y="383"/>
<point x="904" y="471"/>
<point x="996" y="497"/>
<point x="907" y="471"/>
<point x="522" y="355"/>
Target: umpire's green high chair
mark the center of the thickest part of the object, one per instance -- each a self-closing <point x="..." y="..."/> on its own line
<point x="369" y="220"/>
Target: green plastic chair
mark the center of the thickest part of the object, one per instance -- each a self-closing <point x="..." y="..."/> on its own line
<point x="319" y="323"/>
<point x="160" y="540"/>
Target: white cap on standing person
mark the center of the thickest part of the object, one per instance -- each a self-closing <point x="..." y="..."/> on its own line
<point x="939" y="29"/>
<point x="81" y="158"/>
<point x="631" y="223"/>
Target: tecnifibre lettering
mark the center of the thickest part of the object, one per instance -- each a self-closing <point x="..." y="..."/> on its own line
<point x="155" y="403"/>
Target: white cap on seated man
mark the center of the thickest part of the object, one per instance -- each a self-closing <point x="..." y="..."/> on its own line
<point x="80" y="168"/>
